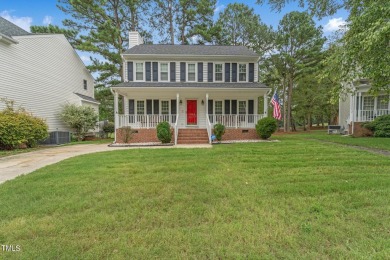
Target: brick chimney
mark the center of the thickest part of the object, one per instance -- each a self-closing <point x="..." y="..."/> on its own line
<point x="135" y="39"/>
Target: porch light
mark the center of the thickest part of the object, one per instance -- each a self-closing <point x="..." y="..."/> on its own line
<point x="181" y="102"/>
<point x="202" y="102"/>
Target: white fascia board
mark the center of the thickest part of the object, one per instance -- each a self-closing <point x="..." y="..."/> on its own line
<point x="7" y="40"/>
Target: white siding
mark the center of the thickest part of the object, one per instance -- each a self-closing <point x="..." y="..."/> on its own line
<point x="42" y="73"/>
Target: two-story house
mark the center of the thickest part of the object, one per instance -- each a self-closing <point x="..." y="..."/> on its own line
<point x="41" y="73"/>
<point x="192" y="87"/>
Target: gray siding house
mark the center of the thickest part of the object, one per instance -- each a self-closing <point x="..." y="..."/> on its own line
<point x="42" y="72"/>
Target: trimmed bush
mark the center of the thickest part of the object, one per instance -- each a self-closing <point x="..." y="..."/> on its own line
<point x="164" y="132"/>
<point x="380" y="126"/>
<point x="266" y="127"/>
<point x="127" y="134"/>
<point x="19" y="128"/>
<point x="219" y="131"/>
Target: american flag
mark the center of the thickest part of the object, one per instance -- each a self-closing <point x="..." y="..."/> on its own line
<point x="275" y="103"/>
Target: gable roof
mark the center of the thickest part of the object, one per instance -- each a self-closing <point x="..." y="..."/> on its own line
<point x="87" y="98"/>
<point x="214" y="50"/>
<point x="9" y="29"/>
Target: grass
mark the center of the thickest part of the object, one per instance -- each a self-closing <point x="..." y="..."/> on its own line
<point x="5" y="153"/>
<point x="298" y="198"/>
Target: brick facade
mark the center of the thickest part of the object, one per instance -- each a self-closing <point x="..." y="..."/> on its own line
<point x="239" y="134"/>
<point x="141" y="136"/>
<point x="358" y="130"/>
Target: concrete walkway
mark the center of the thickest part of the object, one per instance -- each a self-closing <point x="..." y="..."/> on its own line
<point x="24" y="163"/>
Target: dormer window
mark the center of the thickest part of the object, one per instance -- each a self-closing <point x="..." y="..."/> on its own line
<point x="191" y="75"/>
<point x="218" y="72"/>
<point x="164" y="71"/>
<point x="139" y="71"/>
<point x="242" y="72"/>
<point x="85" y="84"/>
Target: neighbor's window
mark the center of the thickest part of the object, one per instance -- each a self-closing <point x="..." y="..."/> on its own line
<point x="242" y="72"/>
<point x="218" y="107"/>
<point x="139" y="71"/>
<point x="382" y="102"/>
<point x="242" y="107"/>
<point x="164" y="107"/>
<point x="218" y="72"/>
<point x="368" y="103"/>
<point x="140" y="107"/>
<point x="191" y="72"/>
<point x="85" y="84"/>
<point x="164" y="71"/>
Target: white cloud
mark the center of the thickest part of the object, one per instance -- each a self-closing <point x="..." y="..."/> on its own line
<point x="334" y="24"/>
<point x="219" y="8"/>
<point x="22" y="22"/>
<point x="47" y="20"/>
<point x="85" y="58"/>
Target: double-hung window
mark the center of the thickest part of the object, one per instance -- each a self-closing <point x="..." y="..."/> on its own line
<point x="218" y="72"/>
<point x="368" y="103"/>
<point x="164" y="71"/>
<point x="165" y="107"/>
<point x="139" y="71"/>
<point x="191" y="72"/>
<point x="382" y="102"/>
<point x="218" y="107"/>
<point x="242" y="107"/>
<point x="242" y="72"/>
<point x="140" y="107"/>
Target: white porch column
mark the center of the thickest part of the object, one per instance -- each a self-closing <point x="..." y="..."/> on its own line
<point x="116" y="112"/>
<point x="360" y="107"/>
<point x="266" y="104"/>
<point x="177" y="104"/>
<point x="207" y="105"/>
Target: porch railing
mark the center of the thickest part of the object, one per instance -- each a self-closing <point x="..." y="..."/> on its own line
<point x="369" y="115"/>
<point x="208" y="126"/>
<point x="235" y="121"/>
<point x="145" y="121"/>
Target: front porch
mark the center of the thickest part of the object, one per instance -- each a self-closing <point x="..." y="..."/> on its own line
<point x="369" y="107"/>
<point x="191" y="109"/>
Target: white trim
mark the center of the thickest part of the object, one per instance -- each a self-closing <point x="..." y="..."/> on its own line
<point x="159" y="71"/>
<point x="169" y="107"/>
<point x="223" y="71"/>
<point x="223" y="106"/>
<point x="136" y="106"/>
<point x="246" y="106"/>
<point x="143" y="71"/>
<point x="246" y="70"/>
<point x="196" y="71"/>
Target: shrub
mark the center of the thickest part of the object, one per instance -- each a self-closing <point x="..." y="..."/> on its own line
<point x="18" y="127"/>
<point x="164" y="132"/>
<point x="380" y="126"/>
<point x="219" y="131"/>
<point x="80" y="118"/>
<point x="109" y="128"/>
<point x="266" y="127"/>
<point x="127" y="134"/>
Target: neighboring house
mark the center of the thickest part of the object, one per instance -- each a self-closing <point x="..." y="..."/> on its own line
<point x="358" y="106"/>
<point x="193" y="87"/>
<point x="41" y="73"/>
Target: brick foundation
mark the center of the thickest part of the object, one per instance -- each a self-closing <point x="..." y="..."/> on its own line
<point x="141" y="136"/>
<point x="239" y="134"/>
<point x="358" y="130"/>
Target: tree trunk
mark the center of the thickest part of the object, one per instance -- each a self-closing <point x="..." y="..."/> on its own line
<point x="309" y="123"/>
<point x="284" y="108"/>
<point x="289" y="102"/>
<point x="171" y="28"/>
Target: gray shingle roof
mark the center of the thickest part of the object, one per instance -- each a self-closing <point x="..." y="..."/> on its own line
<point x="190" y="85"/>
<point x="87" y="98"/>
<point x="191" y="50"/>
<point x="10" y="29"/>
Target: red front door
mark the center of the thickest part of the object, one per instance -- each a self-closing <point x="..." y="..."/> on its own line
<point x="192" y="112"/>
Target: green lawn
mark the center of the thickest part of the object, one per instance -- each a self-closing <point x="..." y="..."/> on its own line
<point x="296" y="199"/>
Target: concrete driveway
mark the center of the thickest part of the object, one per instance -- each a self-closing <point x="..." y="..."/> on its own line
<point x="15" y="165"/>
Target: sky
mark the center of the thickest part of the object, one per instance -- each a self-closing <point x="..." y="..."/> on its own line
<point x="25" y="13"/>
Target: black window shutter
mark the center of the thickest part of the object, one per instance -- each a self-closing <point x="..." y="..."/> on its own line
<point x="210" y="72"/>
<point x="234" y="72"/>
<point x="173" y="71"/>
<point x="211" y="108"/>
<point x="131" y="107"/>
<point x="251" y="72"/>
<point x="251" y="104"/>
<point x="130" y="71"/>
<point x="147" y="71"/>
<point x="156" y="109"/>
<point x="200" y="71"/>
<point x="234" y="107"/>
<point x="227" y="72"/>
<point x="182" y="71"/>
<point x="173" y="106"/>
<point x="155" y="71"/>
<point x="149" y="107"/>
<point x="227" y="107"/>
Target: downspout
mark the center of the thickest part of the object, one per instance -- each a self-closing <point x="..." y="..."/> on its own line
<point x="115" y="112"/>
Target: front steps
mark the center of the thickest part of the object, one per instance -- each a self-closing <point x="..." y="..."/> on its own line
<point x="192" y="136"/>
